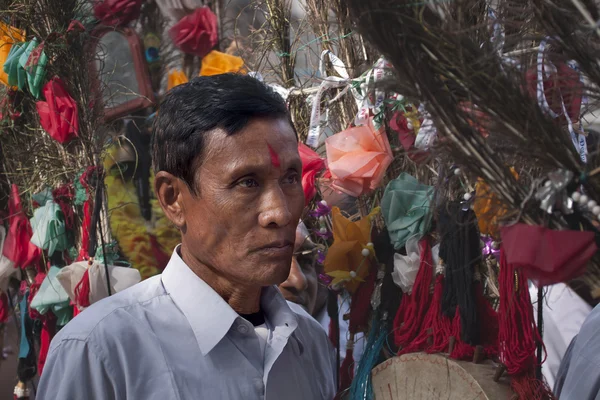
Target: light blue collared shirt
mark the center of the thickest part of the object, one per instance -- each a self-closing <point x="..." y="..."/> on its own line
<point x="579" y="374"/>
<point x="172" y="337"/>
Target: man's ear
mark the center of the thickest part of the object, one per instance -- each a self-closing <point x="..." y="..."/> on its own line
<point x="169" y="194"/>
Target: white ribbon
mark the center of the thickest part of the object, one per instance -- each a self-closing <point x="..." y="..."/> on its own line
<point x="329" y="82"/>
<point x="427" y="132"/>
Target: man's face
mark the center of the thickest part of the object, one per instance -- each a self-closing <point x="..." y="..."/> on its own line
<point x="242" y="222"/>
<point x="302" y="284"/>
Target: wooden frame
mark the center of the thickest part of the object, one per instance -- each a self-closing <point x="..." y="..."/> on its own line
<point x="145" y="95"/>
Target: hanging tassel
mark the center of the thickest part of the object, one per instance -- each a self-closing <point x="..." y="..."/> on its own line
<point x="418" y="301"/>
<point x="518" y="334"/>
<point x="347" y="368"/>
<point x="437" y="328"/>
<point x="27" y="366"/>
<point x="461" y="350"/>
<point x="82" y="290"/>
<point x="362" y="386"/>
<point x="48" y="332"/>
<point x="488" y="318"/>
<point x="360" y="310"/>
<point x="460" y="250"/>
<point x="85" y="231"/>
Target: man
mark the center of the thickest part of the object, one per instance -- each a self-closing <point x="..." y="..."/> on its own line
<point x="579" y="375"/>
<point x="302" y="284"/>
<point x="564" y="314"/>
<point x="213" y="326"/>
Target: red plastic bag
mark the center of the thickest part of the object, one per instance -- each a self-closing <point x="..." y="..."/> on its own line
<point x="18" y="247"/>
<point x="196" y="33"/>
<point x="548" y="256"/>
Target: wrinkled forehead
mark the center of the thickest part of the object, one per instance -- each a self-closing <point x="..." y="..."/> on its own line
<point x="260" y="142"/>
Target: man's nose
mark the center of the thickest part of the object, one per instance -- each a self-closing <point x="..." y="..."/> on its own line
<point x="276" y="209"/>
<point x="296" y="279"/>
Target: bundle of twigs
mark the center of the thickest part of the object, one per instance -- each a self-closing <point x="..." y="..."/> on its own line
<point x="32" y="159"/>
<point x="445" y="56"/>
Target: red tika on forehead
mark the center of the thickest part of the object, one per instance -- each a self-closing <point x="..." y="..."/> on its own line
<point x="274" y="157"/>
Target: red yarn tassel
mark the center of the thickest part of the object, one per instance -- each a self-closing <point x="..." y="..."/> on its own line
<point x="488" y="318"/>
<point x="518" y="334"/>
<point x="82" y="290"/>
<point x="418" y="302"/>
<point x="462" y="350"/>
<point x="437" y="327"/>
<point x="360" y="310"/>
<point x="85" y="231"/>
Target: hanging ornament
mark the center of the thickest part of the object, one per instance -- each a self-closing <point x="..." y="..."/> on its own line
<point x="18" y="247"/>
<point x="8" y="36"/>
<point x="358" y="158"/>
<point x="196" y="33"/>
<point x="312" y="165"/>
<point x="58" y="114"/>
<point x="406" y="209"/>
<point x="117" y="12"/>
<point x="216" y="63"/>
<point x="49" y="231"/>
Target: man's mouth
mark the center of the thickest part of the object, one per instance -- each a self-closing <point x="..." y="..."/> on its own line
<point x="280" y="247"/>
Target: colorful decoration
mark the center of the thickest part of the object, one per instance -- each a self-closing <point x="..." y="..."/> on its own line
<point x="405" y="207"/>
<point x="215" y="63"/>
<point x="49" y="231"/>
<point x="52" y="297"/>
<point x="406" y="267"/>
<point x="117" y="12"/>
<point x="548" y="256"/>
<point x="312" y="165"/>
<point x="8" y="36"/>
<point x="347" y="259"/>
<point x="138" y="240"/>
<point x="26" y="66"/>
<point x="196" y="33"/>
<point x="71" y="276"/>
<point x="358" y="158"/>
<point x="18" y="247"/>
<point x="58" y="114"/>
<point x="176" y="77"/>
<point x="488" y="209"/>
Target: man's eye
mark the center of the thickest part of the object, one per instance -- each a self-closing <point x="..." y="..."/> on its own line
<point x="248" y="183"/>
<point x="292" y="178"/>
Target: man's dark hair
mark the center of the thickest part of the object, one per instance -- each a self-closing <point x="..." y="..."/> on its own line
<point x="190" y="110"/>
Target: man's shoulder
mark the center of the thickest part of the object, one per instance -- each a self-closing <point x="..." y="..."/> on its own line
<point x="113" y="313"/>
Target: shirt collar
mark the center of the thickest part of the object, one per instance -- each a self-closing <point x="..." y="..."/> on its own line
<point x="209" y="315"/>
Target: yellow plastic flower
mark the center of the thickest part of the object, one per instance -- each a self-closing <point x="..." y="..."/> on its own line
<point x="216" y="63"/>
<point x="8" y="36"/>
<point x="176" y="78"/>
<point x="345" y="261"/>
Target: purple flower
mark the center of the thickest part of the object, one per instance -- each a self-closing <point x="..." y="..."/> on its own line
<point x="323" y="234"/>
<point x="321" y="210"/>
<point x="320" y="256"/>
<point x="490" y="248"/>
<point x="325" y="279"/>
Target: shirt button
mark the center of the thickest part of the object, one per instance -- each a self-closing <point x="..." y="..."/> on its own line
<point x="242" y="328"/>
